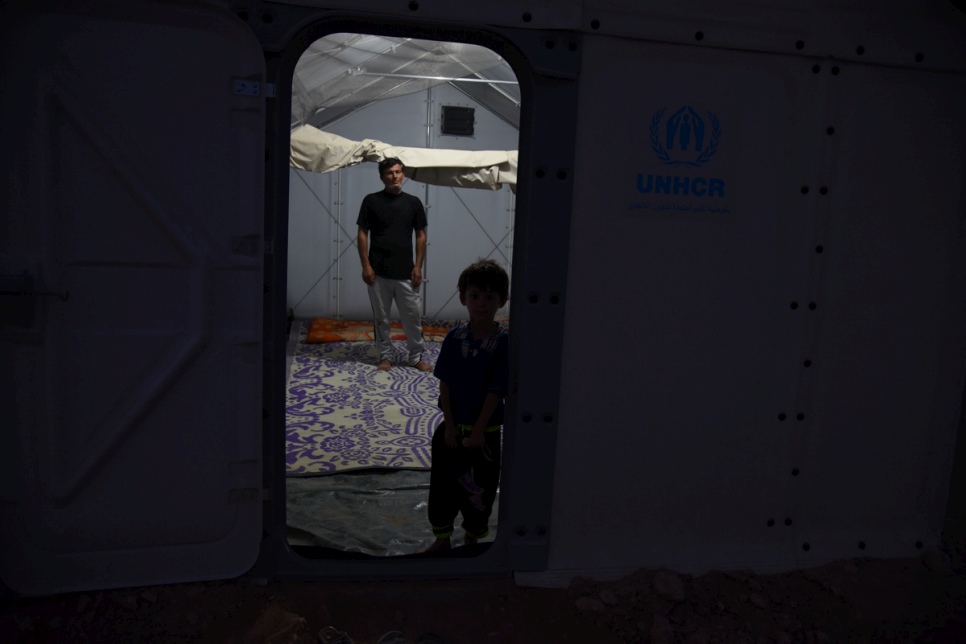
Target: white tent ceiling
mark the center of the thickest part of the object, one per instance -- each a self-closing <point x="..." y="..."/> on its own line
<point x="342" y="72"/>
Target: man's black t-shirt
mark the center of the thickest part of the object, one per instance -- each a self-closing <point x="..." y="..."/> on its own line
<point x="390" y="220"/>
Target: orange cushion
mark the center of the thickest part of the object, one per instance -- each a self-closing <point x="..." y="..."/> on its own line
<point x="330" y="330"/>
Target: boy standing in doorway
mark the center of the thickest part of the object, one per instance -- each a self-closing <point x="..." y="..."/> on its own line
<point x="473" y="372"/>
<point x="387" y="220"/>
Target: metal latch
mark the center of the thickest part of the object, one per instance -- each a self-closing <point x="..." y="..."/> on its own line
<point x="244" y="87"/>
<point x="22" y="284"/>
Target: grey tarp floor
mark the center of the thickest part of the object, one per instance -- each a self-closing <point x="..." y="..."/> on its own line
<point x="381" y="513"/>
<point x="367" y="512"/>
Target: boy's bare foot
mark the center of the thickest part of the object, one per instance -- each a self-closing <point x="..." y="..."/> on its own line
<point x="436" y="546"/>
<point x="422" y="365"/>
<point x="385" y="365"/>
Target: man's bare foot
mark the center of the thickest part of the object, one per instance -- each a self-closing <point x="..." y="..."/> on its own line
<point x="436" y="546"/>
<point x="385" y="365"/>
<point x="422" y="365"/>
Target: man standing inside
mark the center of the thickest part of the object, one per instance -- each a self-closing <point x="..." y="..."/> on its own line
<point x="387" y="220"/>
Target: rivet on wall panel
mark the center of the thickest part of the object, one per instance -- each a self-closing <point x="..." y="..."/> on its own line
<point x="782" y="416"/>
<point x="807" y="364"/>
<point x="414" y="6"/>
<point x="533" y="298"/>
<point x="788" y="521"/>
<point x="572" y="46"/>
<point x="804" y="190"/>
<point x="800" y="44"/>
<point x="794" y="305"/>
<point x="243" y="15"/>
<point x="819" y="249"/>
<point x="830" y="130"/>
<point x="835" y="71"/>
<point x="770" y="523"/>
<point x="919" y="58"/>
<point x="860" y="50"/>
<point x="554" y="298"/>
<point x="540" y="173"/>
<point x="862" y="545"/>
<point x="550" y="44"/>
<point x="699" y="35"/>
<point x="795" y="472"/>
<point x="562" y="174"/>
<point x="595" y="24"/>
<point x="548" y="418"/>
<point x="812" y="306"/>
<point x="919" y="545"/>
<point x="541" y="531"/>
<point x="816" y="69"/>
<point x="521" y="531"/>
<point x="800" y="416"/>
<point x="527" y="417"/>
<point x="806" y="547"/>
<point x="527" y="17"/>
<point x="823" y="190"/>
<point x="267" y="18"/>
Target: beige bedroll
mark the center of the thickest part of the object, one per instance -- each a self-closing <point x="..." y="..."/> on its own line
<point x="317" y="151"/>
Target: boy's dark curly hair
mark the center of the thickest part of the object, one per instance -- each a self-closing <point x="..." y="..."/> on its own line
<point x="486" y="275"/>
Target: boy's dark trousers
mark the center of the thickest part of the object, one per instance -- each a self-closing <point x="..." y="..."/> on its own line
<point x="463" y="480"/>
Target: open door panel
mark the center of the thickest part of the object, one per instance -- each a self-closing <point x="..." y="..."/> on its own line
<point x="131" y="320"/>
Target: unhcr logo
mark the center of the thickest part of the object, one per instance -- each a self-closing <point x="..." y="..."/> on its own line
<point x="684" y="138"/>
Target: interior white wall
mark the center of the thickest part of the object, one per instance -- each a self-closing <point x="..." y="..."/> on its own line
<point x="324" y="275"/>
<point x="677" y="457"/>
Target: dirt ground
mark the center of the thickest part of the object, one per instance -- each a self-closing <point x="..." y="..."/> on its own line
<point x="906" y="600"/>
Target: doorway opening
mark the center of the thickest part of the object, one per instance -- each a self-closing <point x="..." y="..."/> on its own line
<point x="357" y="455"/>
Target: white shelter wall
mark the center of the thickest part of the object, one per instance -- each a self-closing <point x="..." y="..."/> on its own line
<point x="690" y="453"/>
<point x="887" y="398"/>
